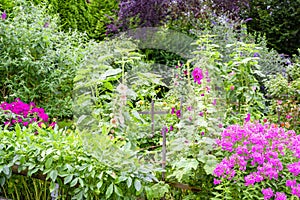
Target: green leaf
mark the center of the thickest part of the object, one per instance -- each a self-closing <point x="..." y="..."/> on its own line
<point x="74" y="182"/>
<point x="109" y="191"/>
<point x="99" y="184"/>
<point x="118" y="191"/>
<point x="48" y="163"/>
<point x="68" y="178"/>
<point x="53" y="175"/>
<point x="137" y="184"/>
<point x="6" y="170"/>
<point x="129" y="182"/>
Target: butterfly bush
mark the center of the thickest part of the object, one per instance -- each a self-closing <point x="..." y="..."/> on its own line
<point x="24" y="114"/>
<point x="259" y="155"/>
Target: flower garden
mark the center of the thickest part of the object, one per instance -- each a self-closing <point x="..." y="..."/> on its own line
<point x="144" y="112"/>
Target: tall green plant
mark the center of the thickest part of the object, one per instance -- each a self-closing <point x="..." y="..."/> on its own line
<point x="37" y="61"/>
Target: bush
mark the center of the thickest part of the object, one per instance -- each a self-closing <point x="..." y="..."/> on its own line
<point x="64" y="166"/>
<point x="278" y="21"/>
<point x="37" y="61"/>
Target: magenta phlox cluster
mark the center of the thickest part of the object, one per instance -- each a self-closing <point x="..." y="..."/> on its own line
<point x="25" y="114"/>
<point x="259" y="148"/>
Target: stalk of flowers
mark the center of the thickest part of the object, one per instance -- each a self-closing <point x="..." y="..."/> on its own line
<point x="24" y="114"/>
<point x="260" y="154"/>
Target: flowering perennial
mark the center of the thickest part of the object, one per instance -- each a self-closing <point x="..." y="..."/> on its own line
<point x="258" y="151"/>
<point x="24" y="114"/>
<point x="198" y="75"/>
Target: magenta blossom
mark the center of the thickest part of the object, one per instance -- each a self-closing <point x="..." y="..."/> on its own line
<point x="173" y="111"/>
<point x="178" y="113"/>
<point x="4" y="15"/>
<point x="247" y="119"/>
<point x="198" y="75"/>
<point x="268" y="193"/>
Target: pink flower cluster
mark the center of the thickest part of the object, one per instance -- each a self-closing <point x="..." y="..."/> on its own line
<point x="25" y="114"/>
<point x="259" y="148"/>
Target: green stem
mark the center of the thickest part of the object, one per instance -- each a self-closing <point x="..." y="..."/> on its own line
<point x="18" y="197"/>
<point x="4" y="192"/>
<point x="26" y="188"/>
<point x="45" y="190"/>
<point x="35" y="190"/>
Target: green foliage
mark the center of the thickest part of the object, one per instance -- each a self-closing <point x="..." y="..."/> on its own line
<point x="284" y="95"/>
<point x="38" y="61"/>
<point x="278" y="21"/>
<point x="86" y="16"/>
<point x="63" y="159"/>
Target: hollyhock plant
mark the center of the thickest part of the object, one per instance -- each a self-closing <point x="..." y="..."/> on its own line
<point x="198" y="75"/>
<point x="258" y="155"/>
<point x="23" y="114"/>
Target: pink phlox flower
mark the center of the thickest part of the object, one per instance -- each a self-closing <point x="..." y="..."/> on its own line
<point x="268" y="193"/>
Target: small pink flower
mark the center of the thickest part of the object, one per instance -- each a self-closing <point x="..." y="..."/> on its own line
<point x="232" y="87"/>
<point x="201" y="114"/>
<point x="214" y="102"/>
<point x="171" y="128"/>
<point x="231" y="73"/>
<point x="173" y="111"/>
<point x="4" y="15"/>
<point x="178" y="113"/>
<point x="189" y="108"/>
<point x="247" y="119"/>
<point x="216" y="181"/>
<point x="288" y="116"/>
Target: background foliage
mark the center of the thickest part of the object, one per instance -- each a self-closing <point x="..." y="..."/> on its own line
<point x="38" y="61"/>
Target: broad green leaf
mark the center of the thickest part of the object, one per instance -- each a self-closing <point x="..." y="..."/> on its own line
<point x="109" y="190"/>
<point x="68" y="178"/>
<point x="48" y="163"/>
<point x="129" y="182"/>
<point x="137" y="184"/>
<point x="53" y="175"/>
<point x="74" y="182"/>
<point x="99" y="184"/>
<point x="118" y="191"/>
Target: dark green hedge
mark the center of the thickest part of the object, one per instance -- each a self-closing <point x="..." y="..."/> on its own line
<point x="279" y="21"/>
<point x="90" y="16"/>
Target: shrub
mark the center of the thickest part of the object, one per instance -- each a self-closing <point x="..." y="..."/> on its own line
<point x="67" y="168"/>
<point x="37" y="61"/>
<point x="278" y="21"/>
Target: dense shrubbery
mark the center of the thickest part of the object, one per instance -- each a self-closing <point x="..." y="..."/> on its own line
<point x="38" y="62"/>
<point x="278" y="21"/>
<point x="91" y="17"/>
